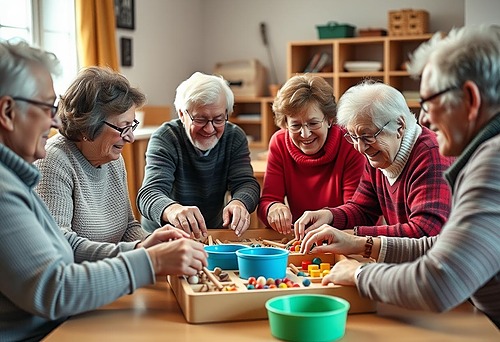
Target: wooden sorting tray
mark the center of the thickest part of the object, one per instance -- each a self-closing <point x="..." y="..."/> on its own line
<point x="244" y="304"/>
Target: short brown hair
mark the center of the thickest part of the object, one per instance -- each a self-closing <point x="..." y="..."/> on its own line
<point x="301" y="91"/>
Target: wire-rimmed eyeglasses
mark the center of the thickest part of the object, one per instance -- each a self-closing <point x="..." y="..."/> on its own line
<point x="53" y="108"/>
<point x="367" y="139"/>
<point x="423" y="101"/>
<point x="202" y="122"/>
<point x="124" y="130"/>
<point x="312" y="125"/>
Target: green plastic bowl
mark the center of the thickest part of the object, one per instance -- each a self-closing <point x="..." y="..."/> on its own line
<point x="307" y="317"/>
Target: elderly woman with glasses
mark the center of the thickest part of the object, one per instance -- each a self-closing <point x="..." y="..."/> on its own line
<point x="193" y="162"/>
<point x="309" y="165"/>
<point x="403" y="183"/>
<point x="84" y="181"/>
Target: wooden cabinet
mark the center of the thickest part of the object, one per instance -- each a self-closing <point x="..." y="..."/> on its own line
<point x="255" y="116"/>
<point x="392" y="52"/>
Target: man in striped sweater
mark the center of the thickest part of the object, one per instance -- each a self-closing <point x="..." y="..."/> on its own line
<point x="459" y="89"/>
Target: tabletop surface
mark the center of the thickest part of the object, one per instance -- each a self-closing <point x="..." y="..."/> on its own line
<point x="152" y="314"/>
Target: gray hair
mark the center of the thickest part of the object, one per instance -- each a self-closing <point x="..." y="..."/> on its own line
<point x="95" y="94"/>
<point x="17" y="61"/>
<point x="374" y="101"/>
<point x="200" y="90"/>
<point x="467" y="53"/>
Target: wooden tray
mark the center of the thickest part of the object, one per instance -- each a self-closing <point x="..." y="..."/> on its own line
<point x="244" y="304"/>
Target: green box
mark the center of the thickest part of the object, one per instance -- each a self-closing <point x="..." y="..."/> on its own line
<point x="335" y="30"/>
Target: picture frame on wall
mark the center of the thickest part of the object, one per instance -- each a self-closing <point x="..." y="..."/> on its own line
<point x="124" y="13"/>
<point x="126" y="51"/>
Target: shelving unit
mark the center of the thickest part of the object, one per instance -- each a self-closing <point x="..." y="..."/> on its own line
<point x="255" y="116"/>
<point x="391" y="51"/>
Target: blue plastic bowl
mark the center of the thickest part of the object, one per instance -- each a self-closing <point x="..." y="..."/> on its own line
<point x="307" y="317"/>
<point x="268" y="262"/>
<point x="223" y="256"/>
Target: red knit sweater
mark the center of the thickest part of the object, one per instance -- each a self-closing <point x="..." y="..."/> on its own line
<point x="310" y="182"/>
<point x="417" y="204"/>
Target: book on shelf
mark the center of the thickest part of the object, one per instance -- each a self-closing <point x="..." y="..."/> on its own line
<point x="312" y="63"/>
<point x="323" y="60"/>
<point x="318" y="62"/>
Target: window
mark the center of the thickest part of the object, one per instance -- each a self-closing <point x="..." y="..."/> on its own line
<point x="49" y="24"/>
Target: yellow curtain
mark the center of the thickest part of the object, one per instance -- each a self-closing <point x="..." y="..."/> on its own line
<point x="95" y="29"/>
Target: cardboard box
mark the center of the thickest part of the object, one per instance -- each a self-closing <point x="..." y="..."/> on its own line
<point x="245" y="77"/>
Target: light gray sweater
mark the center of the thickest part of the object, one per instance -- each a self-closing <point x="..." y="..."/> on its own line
<point x="91" y="201"/>
<point x="463" y="261"/>
<point x="43" y="276"/>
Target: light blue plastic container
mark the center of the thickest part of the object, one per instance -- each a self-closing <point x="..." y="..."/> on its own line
<point x="268" y="262"/>
<point x="223" y="256"/>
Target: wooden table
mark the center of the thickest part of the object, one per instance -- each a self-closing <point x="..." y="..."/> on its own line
<point x="152" y="314"/>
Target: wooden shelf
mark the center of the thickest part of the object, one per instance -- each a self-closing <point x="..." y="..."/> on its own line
<point x="391" y="51"/>
<point x="255" y="116"/>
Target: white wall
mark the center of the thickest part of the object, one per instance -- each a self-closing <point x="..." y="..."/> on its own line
<point x="174" y="38"/>
<point x="482" y="12"/>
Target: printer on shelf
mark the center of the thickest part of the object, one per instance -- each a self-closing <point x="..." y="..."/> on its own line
<point x="245" y="77"/>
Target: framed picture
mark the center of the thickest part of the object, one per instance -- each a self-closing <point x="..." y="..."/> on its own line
<point x="124" y="12"/>
<point x="126" y="51"/>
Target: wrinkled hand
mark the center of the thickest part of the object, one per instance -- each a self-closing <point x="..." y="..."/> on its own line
<point x="163" y="234"/>
<point x="187" y="218"/>
<point x="236" y="217"/>
<point x="342" y="273"/>
<point x="327" y="239"/>
<point x="279" y="218"/>
<point x="311" y="220"/>
<point x="178" y="257"/>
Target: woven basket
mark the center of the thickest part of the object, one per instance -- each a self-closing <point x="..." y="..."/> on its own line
<point x="408" y="22"/>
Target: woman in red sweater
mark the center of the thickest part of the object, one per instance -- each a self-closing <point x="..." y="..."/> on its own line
<point x="309" y="165"/>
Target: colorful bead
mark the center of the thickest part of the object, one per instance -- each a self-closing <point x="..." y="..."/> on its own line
<point x="306" y="282"/>
<point x="317" y="261"/>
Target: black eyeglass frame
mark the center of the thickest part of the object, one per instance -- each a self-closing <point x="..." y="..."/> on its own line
<point x="367" y="139"/>
<point x="206" y="121"/>
<point x="53" y="108"/>
<point x="123" y="130"/>
<point x="423" y="101"/>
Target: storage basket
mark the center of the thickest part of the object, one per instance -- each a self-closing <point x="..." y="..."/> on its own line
<point x="408" y="22"/>
<point x="334" y="30"/>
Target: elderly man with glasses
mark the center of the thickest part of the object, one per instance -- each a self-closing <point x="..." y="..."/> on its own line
<point x="402" y="191"/>
<point x="193" y="162"/>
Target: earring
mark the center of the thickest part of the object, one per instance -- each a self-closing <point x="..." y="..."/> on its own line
<point x="85" y="139"/>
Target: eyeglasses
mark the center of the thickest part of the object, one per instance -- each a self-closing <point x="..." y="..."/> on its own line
<point x="311" y="125"/>
<point x="53" y="109"/>
<point x="202" y="122"/>
<point x="367" y="139"/>
<point x="124" y="130"/>
<point x="423" y="102"/>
